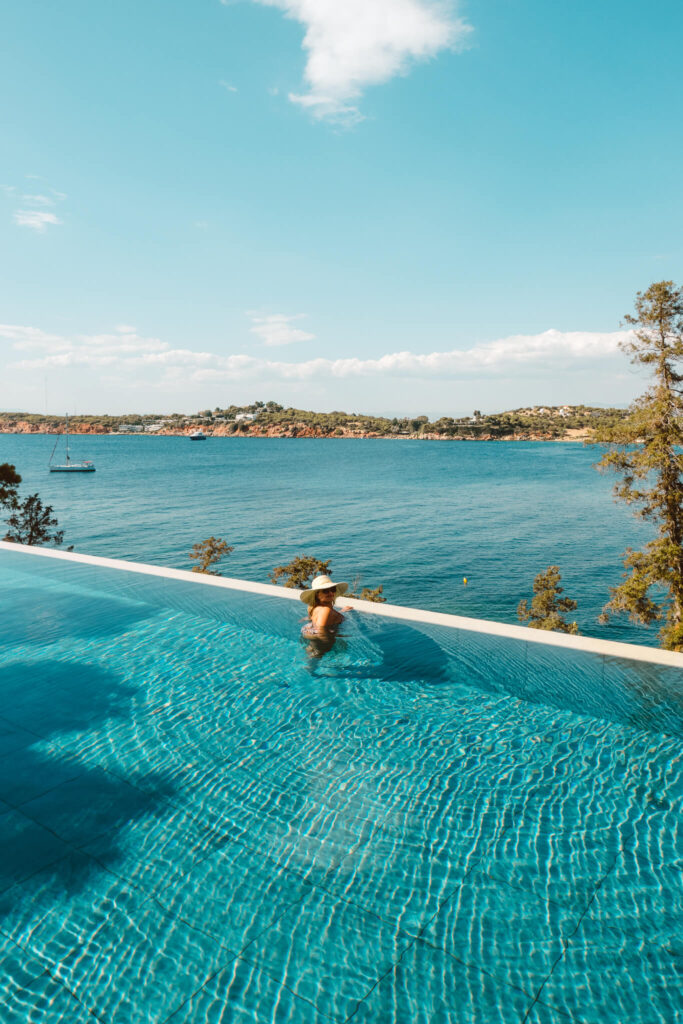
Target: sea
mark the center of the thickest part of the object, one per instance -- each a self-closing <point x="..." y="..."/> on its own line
<point x="417" y="517"/>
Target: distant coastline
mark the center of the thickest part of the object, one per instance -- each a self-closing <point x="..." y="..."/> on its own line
<point x="570" y="435"/>
<point x="268" y="419"/>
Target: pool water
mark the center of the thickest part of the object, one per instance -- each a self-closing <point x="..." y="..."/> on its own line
<point x="198" y="824"/>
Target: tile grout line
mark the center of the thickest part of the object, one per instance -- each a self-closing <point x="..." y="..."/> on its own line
<point x="128" y="883"/>
<point x="235" y="956"/>
<point x="49" y="968"/>
<point x="201" y="988"/>
<point x="47" y="971"/>
<point x="566" y="942"/>
<point x="418" y="936"/>
<point x="87" y="1009"/>
<point x="165" y="910"/>
<point x="156" y="897"/>
<point x="478" y="864"/>
<point x="304" y="999"/>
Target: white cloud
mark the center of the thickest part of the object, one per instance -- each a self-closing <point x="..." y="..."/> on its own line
<point x="228" y="86"/>
<point x="35" y="219"/>
<point x="126" y="352"/>
<point x="37" y="200"/>
<point x="118" y="348"/>
<point x="32" y="213"/>
<point x="354" y="44"/>
<point x="29" y="337"/>
<point x="276" y="329"/>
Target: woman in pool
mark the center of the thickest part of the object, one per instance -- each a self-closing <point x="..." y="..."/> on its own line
<point x="323" y="618"/>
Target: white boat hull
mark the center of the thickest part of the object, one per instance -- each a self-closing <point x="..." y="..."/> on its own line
<point x="86" y="466"/>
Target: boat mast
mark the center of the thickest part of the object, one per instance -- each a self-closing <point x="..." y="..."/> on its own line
<point x="66" y="432"/>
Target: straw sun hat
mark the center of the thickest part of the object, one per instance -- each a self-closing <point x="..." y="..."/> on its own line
<point x="322" y="583"/>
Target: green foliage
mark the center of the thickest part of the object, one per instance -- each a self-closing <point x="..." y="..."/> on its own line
<point x="9" y="481"/>
<point x="645" y="450"/>
<point x="366" y="593"/>
<point x="31" y="522"/>
<point x="547" y="607"/>
<point x="300" y="571"/>
<point x="210" y="552"/>
<point x="370" y="594"/>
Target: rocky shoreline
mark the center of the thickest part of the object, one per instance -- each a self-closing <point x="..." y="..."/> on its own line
<point x="294" y="431"/>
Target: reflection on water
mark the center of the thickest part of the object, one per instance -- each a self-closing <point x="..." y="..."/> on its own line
<point x="646" y="696"/>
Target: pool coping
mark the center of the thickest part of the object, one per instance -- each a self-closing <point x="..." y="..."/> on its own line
<point x="591" y="645"/>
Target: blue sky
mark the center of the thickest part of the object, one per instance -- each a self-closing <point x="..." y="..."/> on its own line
<point x="387" y="205"/>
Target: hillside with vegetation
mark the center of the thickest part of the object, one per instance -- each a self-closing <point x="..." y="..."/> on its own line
<point x="269" y="419"/>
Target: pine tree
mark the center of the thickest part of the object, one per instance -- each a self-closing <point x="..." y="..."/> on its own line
<point x="209" y="552"/>
<point x="645" y="449"/>
<point x="300" y="571"/>
<point x="374" y="594"/>
<point x="9" y="481"/>
<point x="32" y="522"/>
<point x="547" y="607"/>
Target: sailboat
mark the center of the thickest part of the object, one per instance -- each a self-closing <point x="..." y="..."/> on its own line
<point x="69" y="466"/>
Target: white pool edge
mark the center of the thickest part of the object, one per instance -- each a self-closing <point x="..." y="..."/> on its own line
<point x="609" y="648"/>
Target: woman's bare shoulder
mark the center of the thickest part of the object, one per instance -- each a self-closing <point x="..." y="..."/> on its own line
<point x="321" y="616"/>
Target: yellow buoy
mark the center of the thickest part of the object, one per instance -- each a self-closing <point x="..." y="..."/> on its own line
<point x="464" y="579"/>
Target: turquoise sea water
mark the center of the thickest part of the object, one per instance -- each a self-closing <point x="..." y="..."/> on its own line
<point x="429" y="827"/>
<point x="414" y="516"/>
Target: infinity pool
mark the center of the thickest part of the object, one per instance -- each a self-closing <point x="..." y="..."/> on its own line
<point x="198" y="824"/>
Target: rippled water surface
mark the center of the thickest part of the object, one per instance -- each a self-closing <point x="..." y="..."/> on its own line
<point x="414" y="516"/>
<point x="199" y="825"/>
